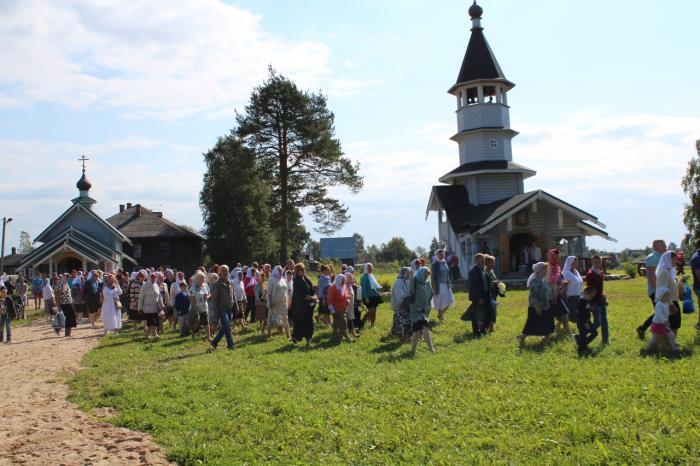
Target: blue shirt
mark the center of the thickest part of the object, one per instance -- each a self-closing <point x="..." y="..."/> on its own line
<point x="182" y="303"/>
<point x="652" y="260"/>
<point x="695" y="264"/>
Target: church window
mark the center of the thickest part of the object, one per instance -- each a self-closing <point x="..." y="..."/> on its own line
<point x="165" y="248"/>
<point x="137" y="251"/>
<point x="493" y="143"/>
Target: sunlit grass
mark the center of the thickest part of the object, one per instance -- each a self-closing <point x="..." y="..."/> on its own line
<point x="370" y="402"/>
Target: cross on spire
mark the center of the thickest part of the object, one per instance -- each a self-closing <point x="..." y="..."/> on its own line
<point x="83" y="159"/>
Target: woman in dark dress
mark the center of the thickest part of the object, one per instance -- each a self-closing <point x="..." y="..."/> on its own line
<point x="303" y="302"/>
<point x="540" y="320"/>
<point x="66" y="300"/>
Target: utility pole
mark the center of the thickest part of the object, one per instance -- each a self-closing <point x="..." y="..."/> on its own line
<point x="5" y="221"/>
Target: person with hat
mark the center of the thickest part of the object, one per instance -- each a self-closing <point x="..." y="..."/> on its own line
<point x="540" y="320"/>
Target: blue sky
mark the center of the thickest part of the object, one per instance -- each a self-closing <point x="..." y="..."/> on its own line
<point x="606" y="101"/>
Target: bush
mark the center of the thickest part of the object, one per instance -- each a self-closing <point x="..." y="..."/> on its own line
<point x="631" y="270"/>
<point x="386" y="285"/>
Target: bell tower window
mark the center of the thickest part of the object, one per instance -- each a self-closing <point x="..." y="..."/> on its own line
<point x="493" y="143"/>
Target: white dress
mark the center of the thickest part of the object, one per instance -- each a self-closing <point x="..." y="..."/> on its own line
<point x="277" y="302"/>
<point x="111" y="316"/>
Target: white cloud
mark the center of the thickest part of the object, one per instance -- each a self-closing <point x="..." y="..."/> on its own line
<point x="164" y="58"/>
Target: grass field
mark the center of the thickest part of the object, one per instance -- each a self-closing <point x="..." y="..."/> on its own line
<point x="370" y="402"/>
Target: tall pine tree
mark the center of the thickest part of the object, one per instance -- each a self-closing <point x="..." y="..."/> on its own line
<point x="234" y="201"/>
<point x="293" y="135"/>
<point x="691" y="186"/>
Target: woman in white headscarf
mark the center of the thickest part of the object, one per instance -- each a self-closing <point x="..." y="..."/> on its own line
<point x="338" y="300"/>
<point x="370" y="294"/>
<point x="666" y="278"/>
<point x="111" y="311"/>
<point x="402" y="320"/>
<point x="540" y="320"/>
<point x="352" y="304"/>
<point x="278" y="302"/>
<point x="239" y="295"/>
<point x="573" y="286"/>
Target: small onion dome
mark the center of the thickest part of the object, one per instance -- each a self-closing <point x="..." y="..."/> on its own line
<point x="83" y="184"/>
<point x="475" y="11"/>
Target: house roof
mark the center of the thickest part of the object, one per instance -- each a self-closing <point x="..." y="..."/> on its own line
<point x="467" y="218"/>
<point x="488" y="166"/>
<point x="140" y="222"/>
<point x="338" y="248"/>
<point x="13" y="260"/>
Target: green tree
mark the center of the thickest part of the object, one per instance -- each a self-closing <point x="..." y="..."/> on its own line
<point x="395" y="250"/>
<point x="293" y="134"/>
<point x="25" y="243"/>
<point x="234" y="201"/>
<point x="434" y="246"/>
<point x="359" y="244"/>
<point x="691" y="187"/>
<point x="313" y="248"/>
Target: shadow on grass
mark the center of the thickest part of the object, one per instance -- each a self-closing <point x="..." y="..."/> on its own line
<point x="181" y="357"/>
<point x="666" y="354"/>
<point x="391" y="345"/>
<point x="469" y="336"/>
<point x="396" y="357"/>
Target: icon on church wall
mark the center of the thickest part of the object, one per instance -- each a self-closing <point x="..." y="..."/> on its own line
<point x="522" y="219"/>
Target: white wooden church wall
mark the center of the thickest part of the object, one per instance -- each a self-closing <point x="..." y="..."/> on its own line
<point x="493" y="187"/>
<point x="482" y="146"/>
<point x="480" y="116"/>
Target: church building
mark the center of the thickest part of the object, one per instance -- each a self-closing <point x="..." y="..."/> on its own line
<point x="78" y="239"/>
<point x="482" y="205"/>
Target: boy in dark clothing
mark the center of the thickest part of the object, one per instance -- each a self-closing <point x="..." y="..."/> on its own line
<point x="595" y="278"/>
<point x="182" y="308"/>
<point x="586" y="330"/>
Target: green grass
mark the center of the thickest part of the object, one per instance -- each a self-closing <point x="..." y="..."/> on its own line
<point x="475" y="401"/>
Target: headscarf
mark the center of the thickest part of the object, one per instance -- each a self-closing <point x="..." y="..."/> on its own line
<point x="567" y="272"/>
<point x="277" y="272"/>
<point x="415" y="265"/>
<point x="538" y="267"/>
<point x="666" y="263"/>
<point x="252" y="277"/>
<point x="349" y="278"/>
<point x="403" y="273"/>
<point x="350" y="269"/>
<point x="238" y="286"/>
<point x="339" y="281"/>
<point x="661" y="292"/>
<point x="373" y="283"/>
<point x="422" y="274"/>
<point x="554" y="267"/>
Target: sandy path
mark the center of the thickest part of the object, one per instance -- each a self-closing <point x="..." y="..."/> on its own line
<point x="38" y="425"/>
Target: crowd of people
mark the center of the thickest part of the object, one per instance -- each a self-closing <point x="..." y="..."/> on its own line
<point x="283" y="299"/>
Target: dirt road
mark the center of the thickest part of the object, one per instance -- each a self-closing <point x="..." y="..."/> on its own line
<point x="38" y="426"/>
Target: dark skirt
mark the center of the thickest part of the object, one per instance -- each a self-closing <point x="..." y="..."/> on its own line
<point x="303" y="323"/>
<point x="69" y="312"/>
<point x="152" y="320"/>
<point x="134" y="315"/>
<point x="398" y="327"/>
<point x="675" y="319"/>
<point x="572" y="302"/>
<point x="539" y="325"/>
<point x="374" y="301"/>
<point x="260" y="312"/>
<point x="418" y="326"/>
<point x="323" y="308"/>
<point x="558" y="310"/>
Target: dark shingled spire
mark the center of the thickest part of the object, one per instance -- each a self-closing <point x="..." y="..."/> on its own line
<point x="479" y="61"/>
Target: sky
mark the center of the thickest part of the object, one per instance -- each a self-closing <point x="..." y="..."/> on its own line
<point x="606" y="101"/>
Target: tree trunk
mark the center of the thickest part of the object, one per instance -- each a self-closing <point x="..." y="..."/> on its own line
<point x="284" y="193"/>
